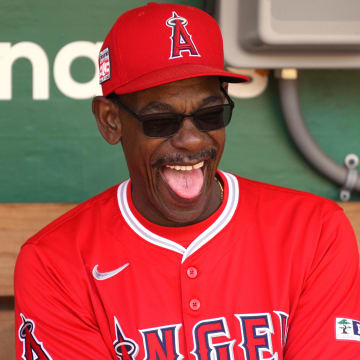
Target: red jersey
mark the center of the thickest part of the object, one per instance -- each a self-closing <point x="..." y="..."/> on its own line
<point x="275" y="275"/>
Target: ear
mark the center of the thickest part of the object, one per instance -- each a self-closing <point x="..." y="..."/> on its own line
<point x="108" y="120"/>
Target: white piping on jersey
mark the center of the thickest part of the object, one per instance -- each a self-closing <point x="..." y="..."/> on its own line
<point x="199" y="241"/>
<point x="221" y="221"/>
<point x="140" y="229"/>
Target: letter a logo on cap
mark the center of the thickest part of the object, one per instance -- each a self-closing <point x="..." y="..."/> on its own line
<point x="180" y="38"/>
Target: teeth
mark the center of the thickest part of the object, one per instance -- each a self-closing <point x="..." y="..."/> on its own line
<point x="199" y="165"/>
<point x="186" y="167"/>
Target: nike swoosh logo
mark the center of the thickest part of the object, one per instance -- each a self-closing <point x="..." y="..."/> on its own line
<point x="106" y="275"/>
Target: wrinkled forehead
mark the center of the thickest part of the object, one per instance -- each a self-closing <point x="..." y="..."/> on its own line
<point x="175" y="95"/>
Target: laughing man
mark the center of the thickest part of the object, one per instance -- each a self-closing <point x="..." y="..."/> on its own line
<point x="184" y="260"/>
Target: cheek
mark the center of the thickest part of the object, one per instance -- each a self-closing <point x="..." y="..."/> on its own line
<point x="218" y="137"/>
<point x="140" y="152"/>
<point x="222" y="137"/>
<point x="133" y="151"/>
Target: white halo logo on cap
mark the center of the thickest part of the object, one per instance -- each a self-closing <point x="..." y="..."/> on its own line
<point x="180" y="39"/>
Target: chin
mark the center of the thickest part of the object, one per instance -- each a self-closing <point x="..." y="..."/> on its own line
<point x="178" y="211"/>
<point x="182" y="217"/>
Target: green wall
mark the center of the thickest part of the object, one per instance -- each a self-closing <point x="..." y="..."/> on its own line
<point x="260" y="143"/>
<point x="50" y="150"/>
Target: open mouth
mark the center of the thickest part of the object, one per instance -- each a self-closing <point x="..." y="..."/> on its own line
<point x="185" y="180"/>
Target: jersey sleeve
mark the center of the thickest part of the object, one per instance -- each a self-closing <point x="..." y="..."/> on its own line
<point x="326" y="321"/>
<point x="52" y="319"/>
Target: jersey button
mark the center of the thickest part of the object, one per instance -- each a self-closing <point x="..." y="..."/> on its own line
<point x="194" y="304"/>
<point x="192" y="272"/>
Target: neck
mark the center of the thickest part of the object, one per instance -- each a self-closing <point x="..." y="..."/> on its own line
<point x="185" y="216"/>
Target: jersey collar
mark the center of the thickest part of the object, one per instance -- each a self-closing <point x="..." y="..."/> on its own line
<point x="230" y="184"/>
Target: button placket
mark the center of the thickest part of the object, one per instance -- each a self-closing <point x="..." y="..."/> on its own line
<point x="192" y="272"/>
<point x="191" y="290"/>
<point x="194" y="304"/>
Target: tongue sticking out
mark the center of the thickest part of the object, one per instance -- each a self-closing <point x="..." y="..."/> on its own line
<point x="186" y="184"/>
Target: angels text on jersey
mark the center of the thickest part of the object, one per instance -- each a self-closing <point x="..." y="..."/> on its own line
<point x="208" y="335"/>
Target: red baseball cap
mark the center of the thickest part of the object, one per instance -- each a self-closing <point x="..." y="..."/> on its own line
<point x="160" y="43"/>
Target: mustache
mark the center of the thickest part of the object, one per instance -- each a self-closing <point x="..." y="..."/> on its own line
<point x="210" y="153"/>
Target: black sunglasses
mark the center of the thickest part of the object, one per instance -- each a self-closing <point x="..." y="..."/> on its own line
<point x="163" y="125"/>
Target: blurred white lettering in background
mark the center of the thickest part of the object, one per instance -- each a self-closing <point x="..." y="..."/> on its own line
<point x="41" y="69"/>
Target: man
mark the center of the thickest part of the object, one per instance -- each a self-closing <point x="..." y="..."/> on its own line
<point x="184" y="260"/>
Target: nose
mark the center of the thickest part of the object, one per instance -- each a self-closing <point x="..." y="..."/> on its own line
<point x="189" y="137"/>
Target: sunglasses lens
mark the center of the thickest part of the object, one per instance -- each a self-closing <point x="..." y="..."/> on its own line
<point x="168" y="124"/>
<point x="213" y="118"/>
<point x="163" y="125"/>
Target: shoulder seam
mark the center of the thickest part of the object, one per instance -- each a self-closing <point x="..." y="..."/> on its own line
<point x="67" y="216"/>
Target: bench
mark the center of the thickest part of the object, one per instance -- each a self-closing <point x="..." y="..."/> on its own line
<point x="18" y="222"/>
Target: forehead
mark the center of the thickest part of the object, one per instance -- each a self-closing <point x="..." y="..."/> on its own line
<point x="178" y="93"/>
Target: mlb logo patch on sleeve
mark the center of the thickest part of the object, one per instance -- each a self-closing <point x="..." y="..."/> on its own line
<point x="104" y="65"/>
<point x="347" y="329"/>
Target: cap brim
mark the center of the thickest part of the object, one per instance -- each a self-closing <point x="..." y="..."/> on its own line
<point x="176" y="73"/>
